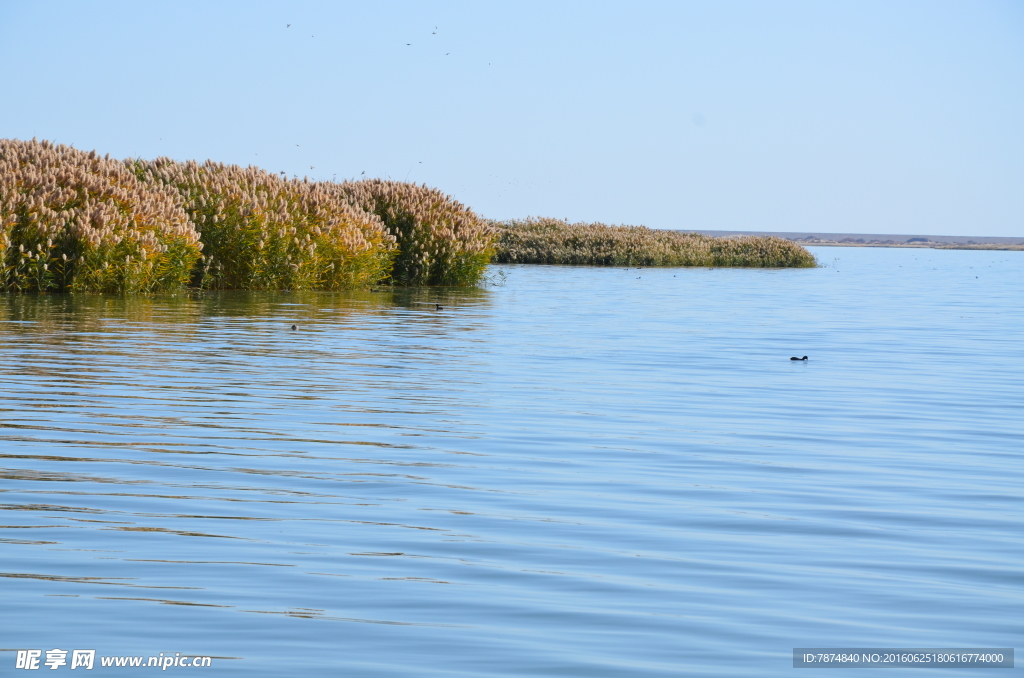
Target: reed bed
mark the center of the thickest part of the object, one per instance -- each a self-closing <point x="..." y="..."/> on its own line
<point x="265" y="232"/>
<point x="440" y="240"/>
<point x="553" y="241"/>
<point x="72" y="220"/>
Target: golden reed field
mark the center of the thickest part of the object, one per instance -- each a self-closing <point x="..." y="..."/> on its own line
<point x="75" y="221"/>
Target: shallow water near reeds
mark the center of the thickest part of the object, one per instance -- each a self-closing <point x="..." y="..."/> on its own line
<point x="584" y="472"/>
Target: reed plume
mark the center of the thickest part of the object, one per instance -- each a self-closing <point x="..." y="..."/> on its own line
<point x="440" y="240"/>
<point x="72" y="220"/>
<point x="265" y="232"/>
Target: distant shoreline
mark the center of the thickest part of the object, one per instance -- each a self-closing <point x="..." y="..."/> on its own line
<point x="949" y="242"/>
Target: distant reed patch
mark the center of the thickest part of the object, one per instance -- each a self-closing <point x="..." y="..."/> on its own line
<point x="72" y="220"/>
<point x="440" y="240"/>
<point x="553" y="241"/>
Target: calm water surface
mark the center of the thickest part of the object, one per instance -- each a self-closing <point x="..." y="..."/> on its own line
<point x="584" y="472"/>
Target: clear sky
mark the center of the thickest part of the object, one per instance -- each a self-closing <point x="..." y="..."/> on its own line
<point x="860" y="116"/>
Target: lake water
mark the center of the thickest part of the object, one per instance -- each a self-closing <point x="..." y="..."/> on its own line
<point x="583" y="472"/>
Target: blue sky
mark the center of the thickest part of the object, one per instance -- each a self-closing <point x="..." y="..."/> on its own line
<point x="869" y="117"/>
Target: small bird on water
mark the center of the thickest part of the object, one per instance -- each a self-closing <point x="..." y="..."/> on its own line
<point x="804" y="358"/>
<point x="295" y="327"/>
<point x="438" y="307"/>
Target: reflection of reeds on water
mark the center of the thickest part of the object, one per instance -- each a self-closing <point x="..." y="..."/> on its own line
<point x="76" y="221"/>
<point x="164" y="323"/>
<point x="64" y="318"/>
<point x="553" y="241"/>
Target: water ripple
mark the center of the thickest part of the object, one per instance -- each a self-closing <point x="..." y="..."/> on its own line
<point x="608" y="476"/>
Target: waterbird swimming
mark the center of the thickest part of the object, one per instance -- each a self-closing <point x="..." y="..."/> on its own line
<point x="438" y="307"/>
<point x="804" y="358"/>
<point x="295" y="327"/>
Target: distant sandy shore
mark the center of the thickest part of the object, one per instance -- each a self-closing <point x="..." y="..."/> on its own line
<point x="947" y="242"/>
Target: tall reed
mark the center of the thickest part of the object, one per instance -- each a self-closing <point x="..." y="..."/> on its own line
<point x="75" y="221"/>
<point x="264" y="232"/>
<point x="553" y="241"/>
<point x="440" y="240"/>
